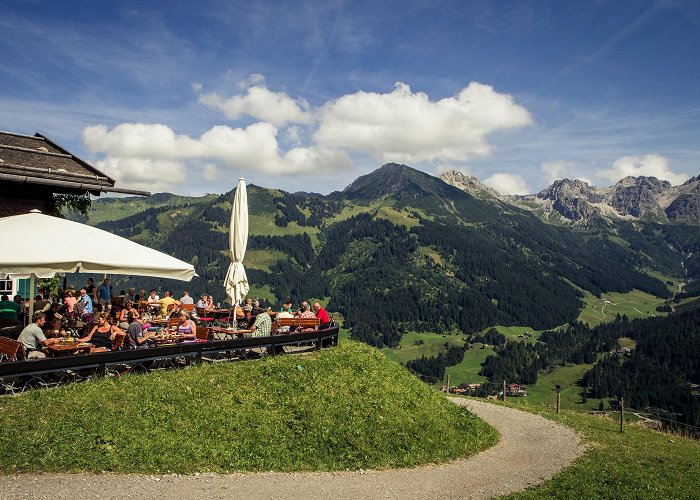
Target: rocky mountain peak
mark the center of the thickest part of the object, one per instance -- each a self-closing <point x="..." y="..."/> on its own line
<point x="638" y="196"/>
<point x="468" y="183"/>
<point x="568" y="188"/>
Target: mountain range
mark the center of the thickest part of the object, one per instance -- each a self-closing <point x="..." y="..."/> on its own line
<point x="576" y="201"/>
<point x="400" y="250"/>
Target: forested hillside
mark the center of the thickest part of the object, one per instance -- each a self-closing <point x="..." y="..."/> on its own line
<point x="401" y="250"/>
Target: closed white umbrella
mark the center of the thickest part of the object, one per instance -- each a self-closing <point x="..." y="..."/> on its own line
<point x="236" y="281"/>
<point x="42" y="245"/>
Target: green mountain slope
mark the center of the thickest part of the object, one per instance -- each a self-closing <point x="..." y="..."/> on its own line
<point x="399" y="249"/>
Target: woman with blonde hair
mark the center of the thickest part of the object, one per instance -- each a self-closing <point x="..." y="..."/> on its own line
<point x="186" y="326"/>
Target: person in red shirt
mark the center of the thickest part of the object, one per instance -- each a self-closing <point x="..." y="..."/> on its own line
<point x="322" y="315"/>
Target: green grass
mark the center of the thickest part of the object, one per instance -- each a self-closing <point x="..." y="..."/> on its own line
<point x="638" y="463"/>
<point x="263" y="259"/>
<point x="635" y="304"/>
<point x="543" y="392"/>
<point x="342" y="408"/>
<point x="467" y="371"/>
<point x="432" y="345"/>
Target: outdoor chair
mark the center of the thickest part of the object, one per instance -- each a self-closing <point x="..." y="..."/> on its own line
<point x="9" y="349"/>
<point x="206" y="320"/>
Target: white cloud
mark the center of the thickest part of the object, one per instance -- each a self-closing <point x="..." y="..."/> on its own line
<point x="408" y="127"/>
<point x="210" y="172"/>
<point x="322" y="160"/>
<point x="197" y="87"/>
<point x="649" y="165"/>
<point x="555" y="170"/>
<point x="400" y="126"/>
<point x="507" y="183"/>
<point x="146" y="174"/>
<point x="261" y="103"/>
<point x="140" y="140"/>
<point x="137" y="153"/>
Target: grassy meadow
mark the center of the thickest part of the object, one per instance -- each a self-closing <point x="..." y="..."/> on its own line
<point x="635" y="304"/>
<point x="342" y="408"/>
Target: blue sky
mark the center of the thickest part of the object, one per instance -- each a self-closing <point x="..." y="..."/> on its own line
<point x="186" y="97"/>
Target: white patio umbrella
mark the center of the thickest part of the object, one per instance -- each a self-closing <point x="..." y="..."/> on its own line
<point x="40" y="245"/>
<point x="236" y="281"/>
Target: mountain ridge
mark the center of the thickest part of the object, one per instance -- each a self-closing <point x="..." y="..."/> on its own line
<point x="576" y="201"/>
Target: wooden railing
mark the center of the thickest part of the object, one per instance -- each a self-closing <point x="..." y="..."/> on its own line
<point x="198" y="351"/>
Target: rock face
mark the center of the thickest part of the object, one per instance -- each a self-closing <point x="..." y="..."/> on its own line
<point x="467" y="183"/>
<point x="574" y="199"/>
<point x="638" y="196"/>
<point x="686" y="205"/>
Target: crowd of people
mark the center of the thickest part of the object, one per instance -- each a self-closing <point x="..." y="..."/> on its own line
<point x="130" y="323"/>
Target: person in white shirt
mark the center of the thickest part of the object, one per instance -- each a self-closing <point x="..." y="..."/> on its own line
<point x="186" y="299"/>
<point x="153" y="302"/>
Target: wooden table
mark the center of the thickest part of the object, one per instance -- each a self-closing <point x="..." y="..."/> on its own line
<point x="217" y="331"/>
<point x="68" y="349"/>
<point x="167" y="338"/>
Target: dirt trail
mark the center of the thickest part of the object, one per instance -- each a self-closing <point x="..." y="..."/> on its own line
<point x="531" y="450"/>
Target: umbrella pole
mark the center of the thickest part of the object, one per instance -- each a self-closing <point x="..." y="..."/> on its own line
<point x="32" y="279"/>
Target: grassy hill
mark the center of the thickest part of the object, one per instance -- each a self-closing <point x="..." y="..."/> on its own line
<point x="638" y="463"/>
<point x="342" y="408"/>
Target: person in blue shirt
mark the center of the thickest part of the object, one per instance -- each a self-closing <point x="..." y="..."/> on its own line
<point x="86" y="302"/>
<point x="104" y="294"/>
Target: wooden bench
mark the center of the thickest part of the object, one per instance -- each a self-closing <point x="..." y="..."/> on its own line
<point x="293" y="323"/>
<point x="9" y="348"/>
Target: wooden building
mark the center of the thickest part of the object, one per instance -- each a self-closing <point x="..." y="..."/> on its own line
<point x="33" y="169"/>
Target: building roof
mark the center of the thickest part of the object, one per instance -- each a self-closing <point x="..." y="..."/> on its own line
<point x="38" y="160"/>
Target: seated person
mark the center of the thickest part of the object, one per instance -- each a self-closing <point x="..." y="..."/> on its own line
<point x="262" y="326"/>
<point x="55" y="328"/>
<point x="187" y="327"/>
<point x="202" y="302"/>
<point x="186" y="299"/>
<point x="84" y="303"/>
<point x="174" y="311"/>
<point x="285" y="313"/>
<point x="33" y="338"/>
<point x="210" y="304"/>
<point x="40" y="304"/>
<point x="130" y="296"/>
<point x="322" y="315"/>
<point x="103" y="334"/>
<point x="306" y="312"/>
<point x="138" y="335"/>
<point x="9" y="309"/>
<point x="153" y="302"/>
<point x="52" y="312"/>
<point x="165" y="302"/>
<point x="70" y="302"/>
<point x="125" y="315"/>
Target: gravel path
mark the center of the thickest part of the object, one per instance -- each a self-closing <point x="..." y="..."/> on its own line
<point x="531" y="450"/>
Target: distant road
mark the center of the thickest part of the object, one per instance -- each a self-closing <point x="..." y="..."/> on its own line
<point x="531" y="450"/>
